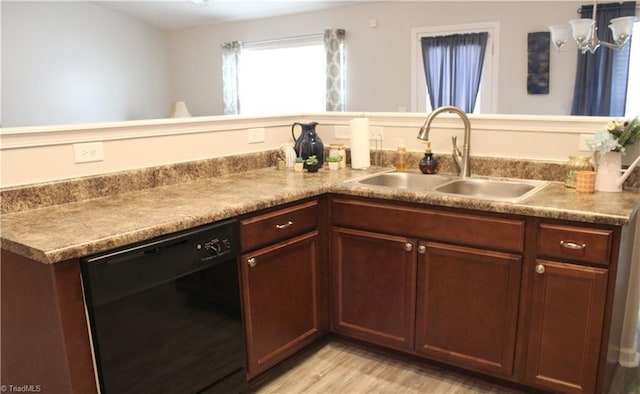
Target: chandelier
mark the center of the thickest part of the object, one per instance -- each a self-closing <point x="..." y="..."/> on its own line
<point x="585" y="33"/>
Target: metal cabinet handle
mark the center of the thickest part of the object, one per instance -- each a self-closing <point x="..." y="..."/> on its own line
<point x="408" y="246"/>
<point x="282" y="226"/>
<point x="540" y="269"/>
<point x="572" y="245"/>
<point x="252" y="262"/>
<point x="422" y="249"/>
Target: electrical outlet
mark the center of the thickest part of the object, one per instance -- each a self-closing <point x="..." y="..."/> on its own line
<point x="341" y="132"/>
<point x="582" y="145"/>
<point x="256" y="135"/>
<point x="376" y="133"/>
<point x="344" y="132"/>
<point x="88" y="152"/>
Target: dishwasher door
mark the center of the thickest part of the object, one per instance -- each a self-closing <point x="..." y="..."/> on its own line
<point x="165" y="316"/>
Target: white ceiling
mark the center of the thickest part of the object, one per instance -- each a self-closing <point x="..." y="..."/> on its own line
<point x="180" y="14"/>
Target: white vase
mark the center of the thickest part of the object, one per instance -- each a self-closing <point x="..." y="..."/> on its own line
<point x="608" y="173"/>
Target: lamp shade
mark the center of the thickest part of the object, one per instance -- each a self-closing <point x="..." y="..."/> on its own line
<point x="178" y="110"/>
<point x="581" y="29"/>
<point x="622" y="28"/>
<point x="559" y="35"/>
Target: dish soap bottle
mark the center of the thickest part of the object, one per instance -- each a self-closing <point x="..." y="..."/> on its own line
<point x="401" y="157"/>
<point x="428" y="164"/>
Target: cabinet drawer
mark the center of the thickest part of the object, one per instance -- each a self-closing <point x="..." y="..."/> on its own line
<point x="585" y="244"/>
<point x="466" y="228"/>
<point x="268" y="228"/>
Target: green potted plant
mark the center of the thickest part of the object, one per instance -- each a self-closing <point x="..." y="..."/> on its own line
<point x="334" y="162"/>
<point x="312" y="164"/>
<point x="299" y="164"/>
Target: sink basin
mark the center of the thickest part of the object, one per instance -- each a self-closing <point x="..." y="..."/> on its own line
<point x="492" y="189"/>
<point x="404" y="180"/>
<point x="496" y="189"/>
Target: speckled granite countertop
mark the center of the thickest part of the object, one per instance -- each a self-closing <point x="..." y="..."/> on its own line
<point x="70" y="230"/>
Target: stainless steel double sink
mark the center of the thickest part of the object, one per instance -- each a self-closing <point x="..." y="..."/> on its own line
<point x="498" y="189"/>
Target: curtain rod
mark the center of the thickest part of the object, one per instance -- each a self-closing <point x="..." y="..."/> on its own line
<point x="579" y="10"/>
<point x="283" y="39"/>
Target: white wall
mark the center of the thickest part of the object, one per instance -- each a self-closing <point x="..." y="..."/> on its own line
<point x="38" y="154"/>
<point x="77" y="62"/>
<point x="379" y="59"/>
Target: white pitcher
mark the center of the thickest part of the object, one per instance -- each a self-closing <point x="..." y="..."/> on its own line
<point x="608" y="178"/>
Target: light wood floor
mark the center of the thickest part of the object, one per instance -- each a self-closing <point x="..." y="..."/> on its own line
<point x="343" y="368"/>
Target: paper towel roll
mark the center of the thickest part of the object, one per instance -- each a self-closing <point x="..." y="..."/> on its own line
<point x="360" y="157"/>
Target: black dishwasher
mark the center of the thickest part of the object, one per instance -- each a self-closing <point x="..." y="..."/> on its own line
<point x="165" y="314"/>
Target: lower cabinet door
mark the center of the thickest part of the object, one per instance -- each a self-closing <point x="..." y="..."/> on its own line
<point x="281" y="300"/>
<point x="467" y="306"/>
<point x="373" y="289"/>
<point x="567" y="313"/>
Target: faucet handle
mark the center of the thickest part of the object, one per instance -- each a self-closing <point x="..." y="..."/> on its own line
<point x="454" y="142"/>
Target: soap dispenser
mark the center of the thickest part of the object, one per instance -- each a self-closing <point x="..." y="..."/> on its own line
<point x="428" y="164"/>
<point x="401" y="157"/>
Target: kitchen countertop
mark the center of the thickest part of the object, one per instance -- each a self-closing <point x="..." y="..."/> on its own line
<point x="75" y="229"/>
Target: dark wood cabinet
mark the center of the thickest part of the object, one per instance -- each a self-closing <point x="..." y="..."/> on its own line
<point x="467" y="306"/>
<point x="528" y="300"/>
<point x="373" y="287"/>
<point x="568" y="295"/>
<point x="283" y="284"/>
<point x="442" y="292"/>
<point x="568" y="303"/>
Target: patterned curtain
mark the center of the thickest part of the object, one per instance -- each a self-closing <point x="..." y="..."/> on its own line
<point x="334" y="46"/>
<point x="230" y="82"/>
<point x="453" y="68"/>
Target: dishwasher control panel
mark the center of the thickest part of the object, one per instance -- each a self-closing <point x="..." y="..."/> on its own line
<point x="216" y="247"/>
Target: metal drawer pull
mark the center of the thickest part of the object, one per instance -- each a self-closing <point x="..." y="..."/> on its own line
<point x="408" y="247"/>
<point x="252" y="262"/>
<point x="572" y="245"/>
<point x="282" y="226"/>
<point x="540" y="269"/>
<point x="422" y="249"/>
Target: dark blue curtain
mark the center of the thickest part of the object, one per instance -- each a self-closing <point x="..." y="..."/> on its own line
<point x="453" y="68"/>
<point x="601" y="77"/>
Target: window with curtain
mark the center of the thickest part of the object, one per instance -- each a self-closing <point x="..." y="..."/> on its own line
<point x="601" y="77"/>
<point x="633" y="93"/>
<point x="299" y="74"/>
<point x="453" y="67"/>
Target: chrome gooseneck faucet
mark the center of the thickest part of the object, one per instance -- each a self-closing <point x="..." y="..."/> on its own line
<point x="462" y="160"/>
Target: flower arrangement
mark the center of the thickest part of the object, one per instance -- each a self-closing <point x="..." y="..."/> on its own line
<point x="617" y="137"/>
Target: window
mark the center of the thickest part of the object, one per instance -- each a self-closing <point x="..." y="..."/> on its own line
<point x="486" y="102"/>
<point x="282" y="76"/>
<point x="633" y="94"/>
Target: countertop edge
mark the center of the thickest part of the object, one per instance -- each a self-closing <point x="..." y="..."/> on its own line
<point x="529" y="207"/>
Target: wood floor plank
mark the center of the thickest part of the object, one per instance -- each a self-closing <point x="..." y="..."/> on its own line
<point x="338" y="367"/>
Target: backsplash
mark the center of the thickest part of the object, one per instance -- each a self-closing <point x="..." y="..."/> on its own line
<point x="15" y="199"/>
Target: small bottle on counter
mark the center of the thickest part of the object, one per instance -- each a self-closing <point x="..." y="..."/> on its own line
<point x="401" y="157"/>
<point x="428" y="164"/>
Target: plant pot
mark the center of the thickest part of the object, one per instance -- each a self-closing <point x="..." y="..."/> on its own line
<point x="298" y="166"/>
<point x="334" y="165"/>
<point x="312" y="167"/>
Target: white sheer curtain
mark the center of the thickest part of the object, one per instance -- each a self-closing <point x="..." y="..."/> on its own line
<point x="334" y="46"/>
<point x="230" y="82"/>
